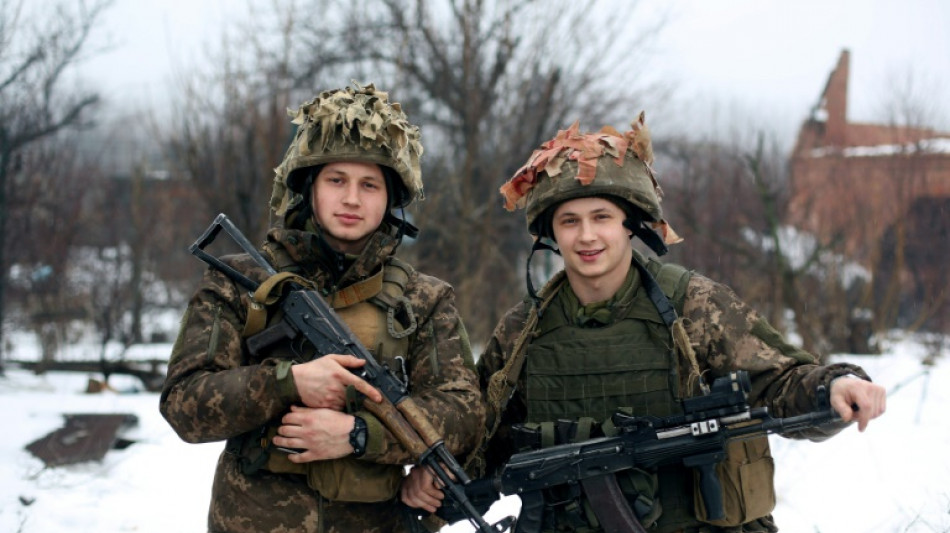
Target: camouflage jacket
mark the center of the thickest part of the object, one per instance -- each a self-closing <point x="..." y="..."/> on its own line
<point x="726" y="335"/>
<point x="216" y="390"/>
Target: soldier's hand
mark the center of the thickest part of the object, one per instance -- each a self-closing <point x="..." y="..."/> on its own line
<point x="321" y="433"/>
<point x="421" y="490"/>
<point x="322" y="382"/>
<point x="869" y="398"/>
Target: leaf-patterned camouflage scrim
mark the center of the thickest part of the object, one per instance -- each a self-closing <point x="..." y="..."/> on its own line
<point x="576" y="165"/>
<point x="216" y="390"/>
<point x="350" y="124"/>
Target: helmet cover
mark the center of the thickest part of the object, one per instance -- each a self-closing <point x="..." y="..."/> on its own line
<point x="350" y="124"/>
<point x="579" y="165"/>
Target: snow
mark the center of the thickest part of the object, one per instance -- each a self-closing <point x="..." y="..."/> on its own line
<point x="940" y="145"/>
<point x="890" y="478"/>
<point x="798" y="247"/>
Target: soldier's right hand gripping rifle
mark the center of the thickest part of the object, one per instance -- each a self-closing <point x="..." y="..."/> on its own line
<point x="307" y="316"/>
<point x="698" y="438"/>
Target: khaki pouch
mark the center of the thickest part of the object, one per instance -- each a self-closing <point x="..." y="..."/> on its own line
<point x="277" y="461"/>
<point x="345" y="479"/>
<point x="350" y="480"/>
<point x="748" y="489"/>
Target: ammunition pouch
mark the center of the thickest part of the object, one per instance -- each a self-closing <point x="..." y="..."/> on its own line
<point x="748" y="489"/>
<point x="250" y="449"/>
<point x="346" y="479"/>
<point x="256" y="452"/>
<point x="349" y="479"/>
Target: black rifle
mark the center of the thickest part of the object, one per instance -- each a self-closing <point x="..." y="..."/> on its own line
<point x="697" y="438"/>
<point x="308" y="316"/>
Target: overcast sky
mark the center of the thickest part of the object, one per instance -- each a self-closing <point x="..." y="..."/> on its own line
<point x="770" y="58"/>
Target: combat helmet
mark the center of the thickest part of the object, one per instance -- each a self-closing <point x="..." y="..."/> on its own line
<point x="607" y="163"/>
<point x="350" y="124"/>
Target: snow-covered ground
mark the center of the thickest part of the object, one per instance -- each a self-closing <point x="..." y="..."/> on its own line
<point x="892" y="478"/>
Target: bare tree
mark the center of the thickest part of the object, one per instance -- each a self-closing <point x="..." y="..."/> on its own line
<point x="909" y="290"/>
<point x="232" y="126"/>
<point x="53" y="183"/>
<point x="221" y="145"/>
<point x="487" y="82"/>
<point x="808" y="277"/>
<point x="35" y="54"/>
<point x="729" y="201"/>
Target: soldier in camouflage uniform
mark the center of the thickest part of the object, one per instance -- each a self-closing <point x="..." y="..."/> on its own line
<point x="301" y="454"/>
<point x="594" y="340"/>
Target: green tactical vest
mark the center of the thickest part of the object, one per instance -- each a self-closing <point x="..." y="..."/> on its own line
<point x="574" y="372"/>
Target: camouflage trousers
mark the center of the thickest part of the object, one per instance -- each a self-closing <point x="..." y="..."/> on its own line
<point x="278" y="503"/>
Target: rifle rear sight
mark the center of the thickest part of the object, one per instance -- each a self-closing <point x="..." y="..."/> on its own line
<point x="728" y="396"/>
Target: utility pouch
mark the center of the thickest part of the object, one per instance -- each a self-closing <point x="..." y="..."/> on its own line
<point x="748" y="489"/>
<point x="346" y="479"/>
<point x="277" y="461"/>
<point x="247" y="448"/>
<point x="349" y="479"/>
<point x="256" y="452"/>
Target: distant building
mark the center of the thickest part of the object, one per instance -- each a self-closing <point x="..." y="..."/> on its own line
<point x="862" y="179"/>
<point x="879" y="192"/>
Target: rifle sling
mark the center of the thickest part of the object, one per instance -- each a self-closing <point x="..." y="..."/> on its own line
<point x="675" y="323"/>
<point x="270" y="290"/>
<point x="267" y="293"/>
<point x="662" y="303"/>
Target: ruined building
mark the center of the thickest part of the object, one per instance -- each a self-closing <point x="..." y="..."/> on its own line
<point x="879" y="192"/>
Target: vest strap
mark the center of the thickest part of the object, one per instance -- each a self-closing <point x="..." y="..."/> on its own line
<point x="547" y="434"/>
<point x="391" y="298"/>
<point x="358" y="292"/>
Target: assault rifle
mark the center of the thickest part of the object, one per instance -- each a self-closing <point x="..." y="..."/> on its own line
<point x="697" y="438"/>
<point x="308" y="317"/>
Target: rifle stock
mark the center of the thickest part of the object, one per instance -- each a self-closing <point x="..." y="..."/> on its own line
<point x="307" y="315"/>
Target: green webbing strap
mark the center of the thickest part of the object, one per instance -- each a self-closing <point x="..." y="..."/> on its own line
<point x="502" y="384"/>
<point x="584" y="425"/>
<point x="358" y="292"/>
<point x="267" y="294"/>
<point x="547" y="434"/>
<point x="391" y="298"/>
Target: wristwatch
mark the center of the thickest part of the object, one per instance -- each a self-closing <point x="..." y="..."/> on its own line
<point x="358" y="436"/>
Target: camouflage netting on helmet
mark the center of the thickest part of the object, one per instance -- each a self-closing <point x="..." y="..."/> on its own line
<point x="350" y="124"/>
<point x="577" y="165"/>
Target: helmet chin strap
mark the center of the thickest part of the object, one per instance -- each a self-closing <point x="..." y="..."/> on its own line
<point x="538" y="245"/>
<point x="403" y="226"/>
<point x="647" y="235"/>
